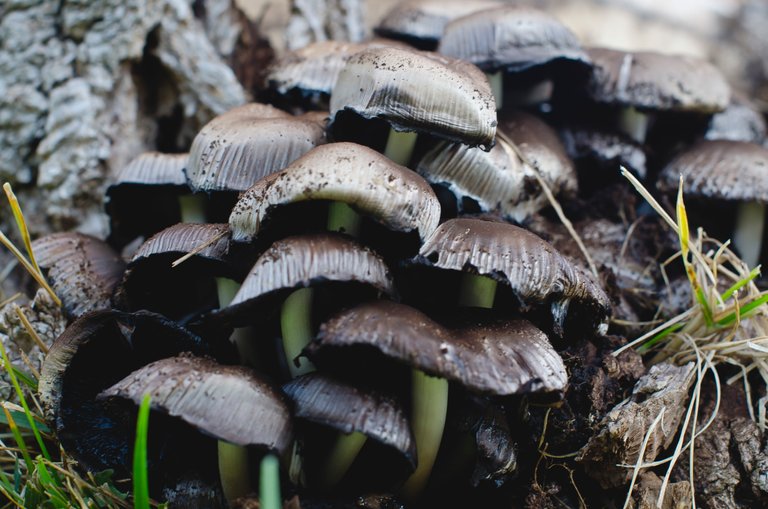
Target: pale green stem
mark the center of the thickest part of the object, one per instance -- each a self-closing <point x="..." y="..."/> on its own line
<point x="233" y="470"/>
<point x="192" y="208"/>
<point x="296" y="327"/>
<point x="748" y="234"/>
<point x="241" y="337"/>
<point x="496" y="81"/>
<point x="343" y="218"/>
<point x="634" y="123"/>
<point x="400" y="146"/>
<point x="269" y="483"/>
<point x="477" y="291"/>
<point x="342" y="454"/>
<point x="429" y="405"/>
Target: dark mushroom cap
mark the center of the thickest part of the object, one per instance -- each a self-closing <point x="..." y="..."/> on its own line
<point x="83" y="270"/>
<point x="230" y="403"/>
<point x="359" y="176"/>
<point x="656" y="81"/>
<point x="534" y="270"/>
<point x="236" y="149"/>
<point x="417" y="91"/>
<point x="604" y="149"/>
<point x="323" y="400"/>
<point x="301" y="261"/>
<point x="499" y="180"/>
<point x="423" y="21"/>
<point x="501" y="358"/>
<point x="720" y="169"/>
<point x="740" y="121"/>
<point x="510" y="38"/>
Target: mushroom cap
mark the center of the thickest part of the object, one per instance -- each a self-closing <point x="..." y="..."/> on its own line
<point x="499" y="180"/>
<point x="534" y="270"/>
<point x="357" y="175"/>
<point x="720" y="169"/>
<point x="425" y="20"/>
<point x="323" y="400"/>
<point x="604" y="148"/>
<point x="301" y="261"/>
<point x="510" y="38"/>
<point x="502" y="358"/>
<point x="656" y="81"/>
<point x="418" y="91"/>
<point x="83" y="270"/>
<point x="153" y="168"/>
<point x="236" y="149"/>
<point x="230" y="403"/>
<point x="184" y="238"/>
<point x="740" y="121"/>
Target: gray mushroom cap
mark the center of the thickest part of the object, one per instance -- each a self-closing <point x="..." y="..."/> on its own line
<point x="740" y="121"/>
<point x="418" y="91"/>
<point x="229" y="403"/>
<point x="499" y="180"/>
<point x="83" y="270"/>
<point x="356" y="175"/>
<point x="426" y="19"/>
<point x="323" y="400"/>
<point x="605" y="148"/>
<point x="510" y="38"/>
<point x="656" y="81"/>
<point x="184" y="238"/>
<point x="153" y="168"/>
<point x="501" y="358"/>
<point x="534" y="270"/>
<point x="720" y="169"/>
<point x="236" y="149"/>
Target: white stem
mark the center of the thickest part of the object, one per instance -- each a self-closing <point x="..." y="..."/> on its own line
<point x="192" y="208"/>
<point x="634" y="123"/>
<point x="496" y="80"/>
<point x="748" y="234"/>
<point x="400" y="146"/>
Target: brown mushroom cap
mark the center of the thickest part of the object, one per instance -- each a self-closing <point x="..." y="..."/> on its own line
<point x="359" y="176"/>
<point x="502" y="358"/>
<point x="510" y="38"/>
<point x="236" y="149"/>
<point x="499" y="180"/>
<point x="656" y="81"/>
<point x="423" y="21"/>
<point x="227" y="402"/>
<point x="323" y="400"/>
<point x="534" y="270"/>
<point x="417" y="91"/>
<point x="720" y="169"/>
<point x="83" y="270"/>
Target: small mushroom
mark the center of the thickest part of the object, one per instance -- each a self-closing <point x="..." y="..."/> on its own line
<point x="84" y="270"/>
<point x="597" y="149"/>
<point x="740" y="121"/>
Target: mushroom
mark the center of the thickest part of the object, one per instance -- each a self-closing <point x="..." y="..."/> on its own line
<point x="740" y="121"/>
<point x="732" y="172"/>
<point x="412" y="92"/>
<point x="501" y="358"/>
<point x="500" y="181"/>
<point x="83" y="270"/>
<point x="510" y="40"/>
<point x="641" y="82"/>
<point x="354" y="411"/>
<point x="229" y="403"/>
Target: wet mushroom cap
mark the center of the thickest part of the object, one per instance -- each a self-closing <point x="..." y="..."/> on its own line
<point x="323" y="400"/>
<point x="720" y="169"/>
<point x="504" y="357"/>
<point x="423" y="21"/>
<point x="229" y="403"/>
<point x="356" y="175"/>
<point x="418" y="91"/>
<point x="499" y="180"/>
<point x="656" y="81"/>
<point x="232" y="152"/>
<point x="510" y="38"/>
<point x="83" y="270"/>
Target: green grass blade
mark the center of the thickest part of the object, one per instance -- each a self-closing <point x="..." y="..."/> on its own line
<point x="19" y="439"/>
<point x="744" y="311"/>
<point x="22" y="422"/>
<point x="658" y="337"/>
<point x="269" y="483"/>
<point x="26" y="379"/>
<point x="20" y="223"/>
<point x="140" y="474"/>
<point x="738" y="285"/>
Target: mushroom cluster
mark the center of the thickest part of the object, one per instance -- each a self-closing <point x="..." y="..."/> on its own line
<point x="365" y="292"/>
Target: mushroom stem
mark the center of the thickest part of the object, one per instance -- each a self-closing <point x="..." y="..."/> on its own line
<point x="429" y="405"/>
<point x="234" y="471"/>
<point x="226" y="290"/>
<point x="269" y="483"/>
<point x="192" y="208"/>
<point x="748" y="232"/>
<point x="634" y="123"/>
<point x="296" y="328"/>
<point x="343" y="218"/>
<point x="477" y="291"/>
<point x="400" y="146"/>
<point x="496" y="80"/>
<point x="343" y="453"/>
